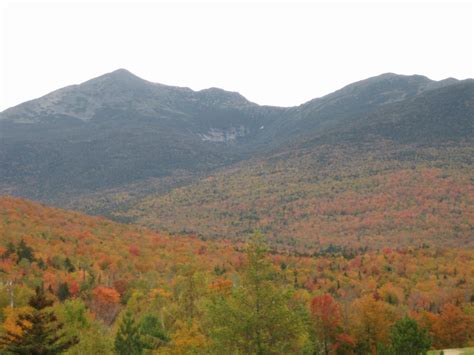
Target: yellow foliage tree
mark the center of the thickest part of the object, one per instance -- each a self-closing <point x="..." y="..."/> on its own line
<point x="371" y="320"/>
<point x="187" y="339"/>
<point x="12" y="317"/>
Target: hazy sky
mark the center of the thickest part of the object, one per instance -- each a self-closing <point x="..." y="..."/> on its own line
<point x="279" y="54"/>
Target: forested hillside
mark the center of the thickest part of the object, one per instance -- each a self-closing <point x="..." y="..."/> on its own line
<point x="362" y="195"/>
<point x="401" y="175"/>
<point x="383" y="161"/>
<point x="120" y="287"/>
<point x="343" y="225"/>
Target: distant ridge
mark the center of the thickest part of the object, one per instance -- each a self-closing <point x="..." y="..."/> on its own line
<point x="125" y="147"/>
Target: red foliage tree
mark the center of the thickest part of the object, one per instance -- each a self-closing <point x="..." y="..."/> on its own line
<point x="326" y="314"/>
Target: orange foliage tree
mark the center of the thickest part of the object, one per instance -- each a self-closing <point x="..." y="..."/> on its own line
<point x="105" y="303"/>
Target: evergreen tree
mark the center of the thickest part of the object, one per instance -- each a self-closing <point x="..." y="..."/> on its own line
<point x="128" y="338"/>
<point x="68" y="265"/>
<point x="408" y="338"/>
<point x="256" y="318"/>
<point x="40" y="331"/>
<point x="152" y="333"/>
<point x="41" y="264"/>
<point x="63" y="291"/>
<point x="24" y="252"/>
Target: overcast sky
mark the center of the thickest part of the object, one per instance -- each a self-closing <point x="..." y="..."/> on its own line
<point x="278" y="54"/>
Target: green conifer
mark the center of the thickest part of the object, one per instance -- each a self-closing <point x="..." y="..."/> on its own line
<point x="128" y="338"/>
<point x="43" y="337"/>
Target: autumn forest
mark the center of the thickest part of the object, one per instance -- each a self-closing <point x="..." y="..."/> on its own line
<point x="140" y="218"/>
<point x="130" y="290"/>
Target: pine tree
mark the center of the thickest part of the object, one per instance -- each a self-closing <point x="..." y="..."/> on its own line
<point x="256" y="317"/>
<point x="68" y="265"/>
<point x="63" y="291"/>
<point x="408" y="338"/>
<point x="24" y="251"/>
<point x="128" y="338"/>
<point x="152" y="333"/>
<point x="40" y="331"/>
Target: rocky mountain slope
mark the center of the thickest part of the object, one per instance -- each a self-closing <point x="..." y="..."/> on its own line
<point x="213" y="163"/>
<point x="118" y="129"/>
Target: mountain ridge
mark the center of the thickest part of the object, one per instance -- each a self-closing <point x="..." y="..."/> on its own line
<point x="124" y="147"/>
<point x="125" y="76"/>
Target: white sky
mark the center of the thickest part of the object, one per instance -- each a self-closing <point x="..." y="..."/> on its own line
<point x="280" y="54"/>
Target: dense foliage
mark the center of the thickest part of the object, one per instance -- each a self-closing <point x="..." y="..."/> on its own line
<point x="130" y="288"/>
<point x="117" y="138"/>
<point x="371" y="195"/>
<point x="37" y="331"/>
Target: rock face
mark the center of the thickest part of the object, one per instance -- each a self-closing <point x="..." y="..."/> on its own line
<point x="224" y="135"/>
<point x="118" y="129"/>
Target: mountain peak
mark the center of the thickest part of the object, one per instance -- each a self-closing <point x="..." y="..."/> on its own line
<point x="391" y="77"/>
<point x="121" y="74"/>
<point x="121" y="71"/>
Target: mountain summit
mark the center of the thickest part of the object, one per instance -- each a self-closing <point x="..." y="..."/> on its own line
<point x="118" y="129"/>
<point x="119" y="93"/>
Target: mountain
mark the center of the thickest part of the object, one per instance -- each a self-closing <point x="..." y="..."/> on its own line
<point x="354" y="101"/>
<point x="398" y="175"/>
<point x="213" y="163"/>
<point x="118" y="129"/>
<point x="121" y="94"/>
